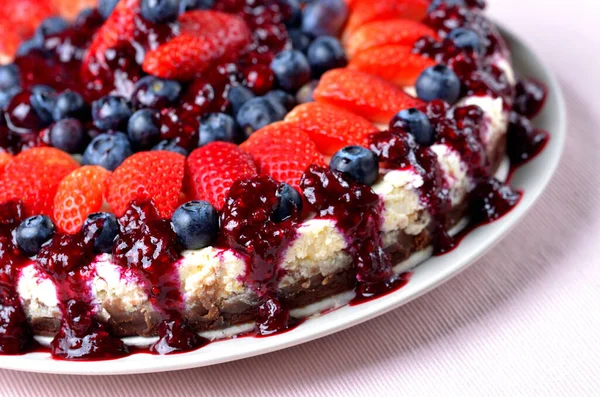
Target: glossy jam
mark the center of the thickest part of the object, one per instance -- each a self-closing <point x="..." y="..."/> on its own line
<point x="248" y="227"/>
<point x="148" y="245"/>
<point x="16" y="335"/>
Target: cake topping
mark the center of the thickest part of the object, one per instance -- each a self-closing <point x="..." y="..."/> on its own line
<point x="156" y="96"/>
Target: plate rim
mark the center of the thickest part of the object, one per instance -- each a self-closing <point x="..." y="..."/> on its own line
<point x="552" y="154"/>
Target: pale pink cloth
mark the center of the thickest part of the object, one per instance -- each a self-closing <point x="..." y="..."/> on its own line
<point x="523" y="321"/>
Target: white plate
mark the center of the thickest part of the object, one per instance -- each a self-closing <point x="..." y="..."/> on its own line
<point x="532" y="178"/>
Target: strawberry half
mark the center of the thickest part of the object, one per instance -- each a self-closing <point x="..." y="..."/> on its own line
<point x="5" y="158"/>
<point x="365" y="11"/>
<point x="212" y="169"/>
<point x="382" y="33"/>
<point x="330" y="127"/>
<point x="33" y="177"/>
<point x="155" y="175"/>
<point x="283" y="151"/>
<point x="120" y="26"/>
<point x="395" y="63"/>
<point x="363" y="94"/>
<point x="80" y="194"/>
<point x="207" y="38"/>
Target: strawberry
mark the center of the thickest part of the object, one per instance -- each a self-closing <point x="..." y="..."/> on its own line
<point x="207" y="37"/>
<point x="155" y="175"/>
<point x="381" y="33"/>
<point x="330" y="127"/>
<point x="80" y="194"/>
<point x="120" y="26"/>
<point x="33" y="177"/>
<point x="9" y="43"/>
<point x="212" y="169"/>
<point x="24" y="16"/>
<point x="365" y="11"/>
<point x="363" y="94"/>
<point x="283" y="151"/>
<point x="70" y="8"/>
<point x="5" y="158"/>
<point x="395" y="63"/>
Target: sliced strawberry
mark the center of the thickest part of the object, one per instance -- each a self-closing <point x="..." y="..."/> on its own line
<point x="120" y="26"/>
<point x="363" y="94"/>
<point x="70" y="8"/>
<point x="330" y="127"/>
<point x="381" y="33"/>
<point x="212" y="169"/>
<point x="365" y="11"/>
<point x="5" y="158"/>
<point x="80" y="194"/>
<point x="24" y="16"/>
<point x="395" y="63"/>
<point x="155" y="175"/>
<point x="33" y="177"/>
<point x="283" y="151"/>
<point x="207" y="37"/>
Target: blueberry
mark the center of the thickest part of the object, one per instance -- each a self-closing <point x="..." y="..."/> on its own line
<point x="105" y="227"/>
<point x="305" y="94"/>
<point x="35" y="43"/>
<point x="83" y="16"/>
<point x="416" y="123"/>
<point x="111" y="112"/>
<point x="33" y="232"/>
<point x="9" y="77"/>
<point x="106" y="7"/>
<point x="196" y="224"/>
<point x="289" y="202"/>
<point x="43" y="100"/>
<point x="237" y="96"/>
<point x="294" y="17"/>
<point x="218" y="127"/>
<point x="69" y="104"/>
<point x="299" y="40"/>
<point x="171" y="145"/>
<point x="67" y="135"/>
<point x="143" y="129"/>
<point x="291" y="69"/>
<point x="189" y="5"/>
<point x="324" y="17"/>
<point x="258" y="113"/>
<point x="108" y="151"/>
<point x="160" y="11"/>
<point x="51" y="26"/>
<point x="153" y="92"/>
<point x="467" y="39"/>
<point x="7" y="95"/>
<point x="358" y="163"/>
<point x="288" y="101"/>
<point x="438" y="82"/>
<point x="436" y="3"/>
<point x="326" y="53"/>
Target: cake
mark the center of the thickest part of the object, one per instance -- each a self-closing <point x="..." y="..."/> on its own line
<point x="173" y="167"/>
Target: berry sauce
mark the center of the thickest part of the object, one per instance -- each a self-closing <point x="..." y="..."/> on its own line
<point x="148" y="245"/>
<point x="476" y="70"/>
<point x="248" y="227"/>
<point x="357" y="212"/>
<point x="16" y="336"/>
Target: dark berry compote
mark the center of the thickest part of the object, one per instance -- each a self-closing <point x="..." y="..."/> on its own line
<point x="148" y="245"/>
<point x="16" y="336"/>
<point x="249" y="226"/>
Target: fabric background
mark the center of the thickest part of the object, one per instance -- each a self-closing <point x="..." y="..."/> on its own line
<point x="523" y="321"/>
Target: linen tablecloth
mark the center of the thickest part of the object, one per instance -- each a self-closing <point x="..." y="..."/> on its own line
<point x="522" y="321"/>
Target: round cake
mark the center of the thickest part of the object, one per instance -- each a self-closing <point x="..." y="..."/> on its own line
<point x="178" y="166"/>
